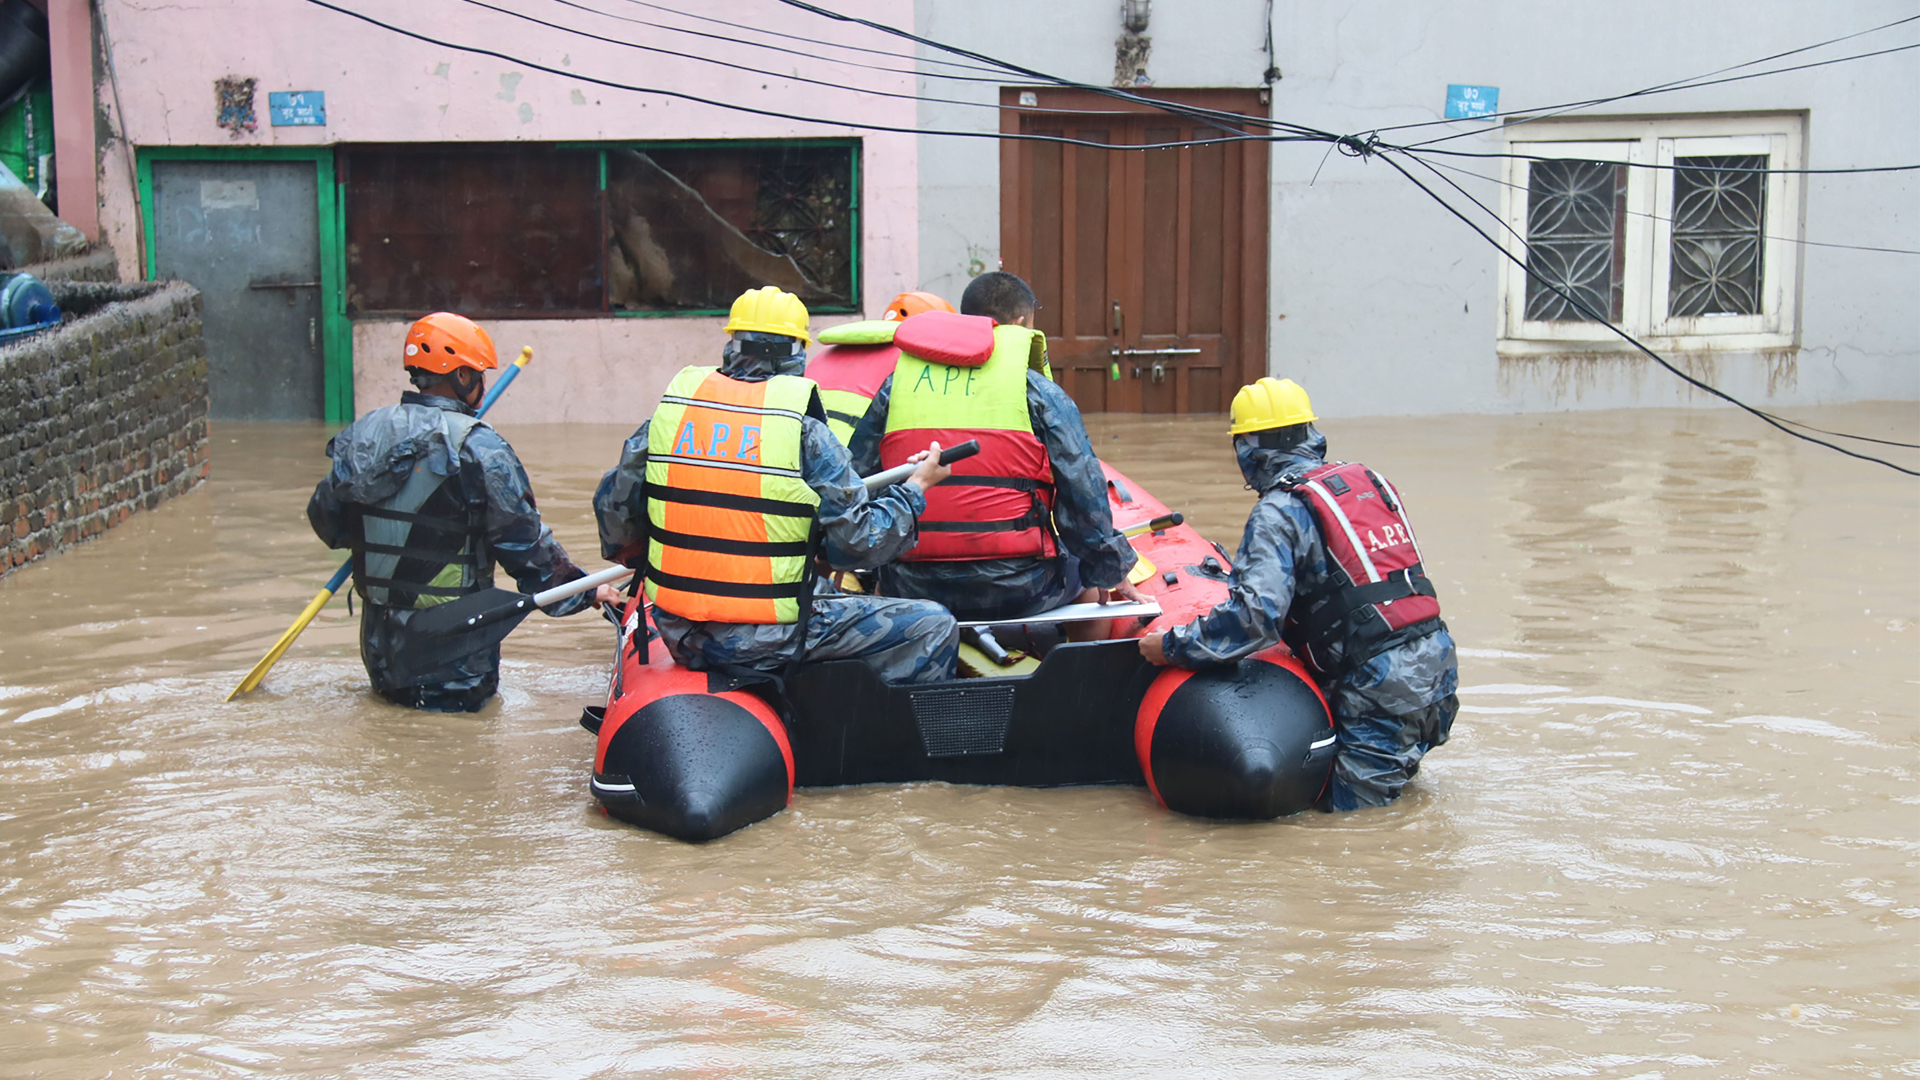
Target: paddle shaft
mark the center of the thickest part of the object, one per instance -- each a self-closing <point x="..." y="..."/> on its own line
<point x="949" y="455"/>
<point x="1165" y="521"/>
<point x="511" y="605"/>
<point x="340" y="576"/>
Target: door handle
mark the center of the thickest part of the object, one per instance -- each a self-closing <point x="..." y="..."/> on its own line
<point x="313" y="333"/>
<point x="1116" y="318"/>
<point x="283" y="285"/>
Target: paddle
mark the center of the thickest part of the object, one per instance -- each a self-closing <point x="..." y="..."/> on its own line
<point x="1165" y="521"/>
<point x="340" y="576"/>
<point x="483" y="619"/>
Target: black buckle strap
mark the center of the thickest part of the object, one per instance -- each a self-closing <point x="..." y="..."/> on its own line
<point x="720" y="546"/>
<point x="846" y="418"/>
<point x="721" y="500"/>
<point x="439" y="523"/>
<point x="797" y="590"/>
<point x="1016" y="483"/>
<point x="396" y="585"/>
<point x="1398" y="585"/>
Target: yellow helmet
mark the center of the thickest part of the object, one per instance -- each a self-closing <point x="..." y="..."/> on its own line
<point x="770" y="311"/>
<point x="1270" y="403"/>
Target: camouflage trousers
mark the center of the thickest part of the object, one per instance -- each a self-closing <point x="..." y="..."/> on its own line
<point x="1387" y="714"/>
<point x="904" y="641"/>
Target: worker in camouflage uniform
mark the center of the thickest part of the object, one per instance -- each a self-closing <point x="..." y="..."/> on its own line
<point x="1329" y="564"/>
<point x="1024" y="526"/>
<point x="429" y="498"/>
<point x="733" y="487"/>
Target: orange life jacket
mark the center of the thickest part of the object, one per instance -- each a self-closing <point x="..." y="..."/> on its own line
<point x="730" y="517"/>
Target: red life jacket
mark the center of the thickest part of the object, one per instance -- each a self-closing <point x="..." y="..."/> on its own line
<point x="1380" y="595"/>
<point x="960" y="377"/>
<point x="848" y="377"/>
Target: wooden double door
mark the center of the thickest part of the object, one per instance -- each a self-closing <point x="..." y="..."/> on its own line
<point x="1150" y="264"/>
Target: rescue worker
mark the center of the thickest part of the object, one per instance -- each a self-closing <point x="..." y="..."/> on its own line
<point x="429" y="498"/>
<point x="1025" y="526"/>
<point x="849" y="375"/>
<point x="1329" y="564"/>
<point x="728" y="492"/>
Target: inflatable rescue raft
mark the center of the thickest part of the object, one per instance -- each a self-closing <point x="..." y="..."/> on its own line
<point x="696" y="755"/>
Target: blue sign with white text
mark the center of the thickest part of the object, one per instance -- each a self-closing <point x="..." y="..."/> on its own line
<point x="297" y="108"/>
<point x="1468" y="102"/>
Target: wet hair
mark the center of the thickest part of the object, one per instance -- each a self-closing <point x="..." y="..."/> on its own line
<point x="1000" y="296"/>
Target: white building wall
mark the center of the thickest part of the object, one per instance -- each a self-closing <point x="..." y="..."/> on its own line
<point x="1381" y="302"/>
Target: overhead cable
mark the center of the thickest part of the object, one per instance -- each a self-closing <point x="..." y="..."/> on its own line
<point x="857" y="125"/>
<point x="1656" y="217"/>
<point x="736" y="41"/>
<point x="1587" y="310"/>
<point x="1350" y="145"/>
<point x="1547" y="112"/>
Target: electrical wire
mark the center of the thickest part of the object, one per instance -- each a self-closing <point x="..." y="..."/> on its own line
<point x="1656" y="217"/>
<point x="1547" y="112"/>
<point x="858" y="125"/>
<point x="697" y="58"/>
<point x="799" y="37"/>
<point x="763" y="72"/>
<point x="1215" y="117"/>
<point x="1716" y="82"/>
<point x="779" y="48"/>
<point x="1585" y="309"/>
<point x="1417" y="150"/>
<point x="1350" y="145"/>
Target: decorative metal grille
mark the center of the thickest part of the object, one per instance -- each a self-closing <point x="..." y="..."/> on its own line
<point x="1576" y="238"/>
<point x="803" y="212"/>
<point x="1719" y="216"/>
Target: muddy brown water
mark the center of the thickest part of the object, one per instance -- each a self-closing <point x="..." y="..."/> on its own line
<point x="1674" y="835"/>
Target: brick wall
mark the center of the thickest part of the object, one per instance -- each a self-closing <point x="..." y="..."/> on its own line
<point x="101" y="417"/>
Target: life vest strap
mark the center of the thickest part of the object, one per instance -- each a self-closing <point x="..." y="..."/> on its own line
<point x="411" y="587"/>
<point x="797" y="590"/>
<point x="1400" y="584"/>
<point x="431" y="522"/>
<point x="846" y="418"/>
<point x="722" y="406"/>
<point x="722" y="546"/>
<point x="1034" y="518"/>
<point x="722" y="500"/>
<point x="408" y="551"/>
<point x="1016" y="483"/>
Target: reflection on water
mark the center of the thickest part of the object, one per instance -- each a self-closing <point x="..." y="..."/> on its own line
<point x="1671" y="837"/>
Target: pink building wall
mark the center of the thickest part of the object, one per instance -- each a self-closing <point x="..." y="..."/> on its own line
<point x="383" y="87"/>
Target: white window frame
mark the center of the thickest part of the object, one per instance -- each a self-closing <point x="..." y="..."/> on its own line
<point x="1649" y="231"/>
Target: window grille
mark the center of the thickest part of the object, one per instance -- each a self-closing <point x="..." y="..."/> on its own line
<point x="1719" y="218"/>
<point x="1576" y="236"/>
<point x="551" y="230"/>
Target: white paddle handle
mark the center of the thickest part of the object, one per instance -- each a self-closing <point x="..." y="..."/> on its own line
<point x="579" y="585"/>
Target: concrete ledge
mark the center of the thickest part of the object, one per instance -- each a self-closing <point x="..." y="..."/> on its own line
<point x="101" y="417"/>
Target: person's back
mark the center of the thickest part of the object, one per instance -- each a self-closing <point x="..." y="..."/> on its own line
<point x="850" y="374"/>
<point x="1360" y="611"/>
<point x="726" y="495"/>
<point x="429" y="498"/>
<point x="1024" y="526"/>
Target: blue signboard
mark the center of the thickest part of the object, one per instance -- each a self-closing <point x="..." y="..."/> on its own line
<point x="1463" y="102"/>
<point x="298" y="108"/>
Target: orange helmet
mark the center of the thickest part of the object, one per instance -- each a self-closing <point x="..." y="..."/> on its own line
<point x="443" y="341"/>
<point x="913" y="303"/>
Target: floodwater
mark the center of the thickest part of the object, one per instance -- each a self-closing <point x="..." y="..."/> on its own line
<point x="1674" y="834"/>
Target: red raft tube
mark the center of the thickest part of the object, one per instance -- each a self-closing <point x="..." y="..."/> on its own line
<point x="695" y="756"/>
